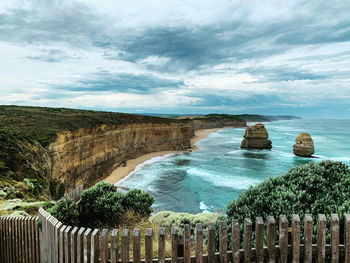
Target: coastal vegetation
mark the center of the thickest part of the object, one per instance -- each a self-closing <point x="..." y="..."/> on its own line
<point x="313" y="188"/>
<point x="103" y="205"/>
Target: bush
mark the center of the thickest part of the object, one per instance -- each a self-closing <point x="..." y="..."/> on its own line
<point x="314" y="188"/>
<point x="103" y="205"/>
<point x="66" y="211"/>
<point x="169" y="219"/>
<point x="139" y="201"/>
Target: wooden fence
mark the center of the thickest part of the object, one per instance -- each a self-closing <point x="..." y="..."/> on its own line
<point x="19" y="240"/>
<point x="60" y="243"/>
<point x="75" y="195"/>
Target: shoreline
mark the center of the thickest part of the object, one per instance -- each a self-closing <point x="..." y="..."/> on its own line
<point x="123" y="171"/>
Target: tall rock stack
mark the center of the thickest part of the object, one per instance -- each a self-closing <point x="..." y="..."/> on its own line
<point x="256" y="137"/>
<point x="304" y="145"/>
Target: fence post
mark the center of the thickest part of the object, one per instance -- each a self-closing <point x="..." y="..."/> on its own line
<point x="247" y="239"/>
<point x="67" y="244"/>
<point x="174" y="244"/>
<point x="283" y="239"/>
<point x="271" y="239"/>
<point x="2" y="250"/>
<point x="235" y="241"/>
<point x="87" y="245"/>
<point x="149" y="245"/>
<point x="80" y="245"/>
<point x="104" y="246"/>
<point x="114" y="246"/>
<point x="347" y="237"/>
<point x="321" y="238"/>
<point x="95" y="253"/>
<point x="334" y="238"/>
<point x="308" y="228"/>
<point x="296" y="238"/>
<point x="136" y="244"/>
<point x="125" y="246"/>
<point x="199" y="243"/>
<point x="161" y="245"/>
<point x="259" y="240"/>
<point x="223" y="241"/>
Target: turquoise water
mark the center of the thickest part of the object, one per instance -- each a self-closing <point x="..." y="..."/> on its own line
<point x="206" y="180"/>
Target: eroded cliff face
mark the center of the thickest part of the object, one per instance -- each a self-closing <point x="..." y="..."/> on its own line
<point x="88" y="155"/>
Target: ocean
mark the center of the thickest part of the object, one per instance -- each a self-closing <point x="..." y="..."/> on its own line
<point x="207" y="179"/>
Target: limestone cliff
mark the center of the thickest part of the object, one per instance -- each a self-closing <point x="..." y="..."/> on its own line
<point x="217" y="121"/>
<point x="88" y="155"/>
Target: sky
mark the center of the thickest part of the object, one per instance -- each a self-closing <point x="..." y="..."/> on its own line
<point x="179" y="57"/>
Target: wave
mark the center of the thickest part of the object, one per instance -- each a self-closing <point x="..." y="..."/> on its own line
<point x="204" y="207"/>
<point x="222" y="180"/>
<point x="144" y="164"/>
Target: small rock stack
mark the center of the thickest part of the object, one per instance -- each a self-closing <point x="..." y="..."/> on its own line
<point x="256" y="137"/>
<point x="304" y="145"/>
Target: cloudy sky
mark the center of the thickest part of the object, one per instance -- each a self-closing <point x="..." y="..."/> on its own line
<point x="268" y="57"/>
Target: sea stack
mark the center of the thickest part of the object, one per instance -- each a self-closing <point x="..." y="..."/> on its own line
<point x="256" y="137"/>
<point x="304" y="145"/>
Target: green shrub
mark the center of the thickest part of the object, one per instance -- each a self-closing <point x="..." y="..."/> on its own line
<point x="103" y="205"/>
<point x="66" y="211"/>
<point x="169" y="219"/>
<point x="139" y="201"/>
<point x="313" y="188"/>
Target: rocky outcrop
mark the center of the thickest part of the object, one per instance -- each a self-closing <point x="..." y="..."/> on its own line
<point x="256" y="137"/>
<point x="88" y="155"/>
<point x="304" y="145"/>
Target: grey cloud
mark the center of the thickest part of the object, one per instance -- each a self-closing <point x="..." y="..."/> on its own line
<point x="104" y="81"/>
<point x="52" y="55"/>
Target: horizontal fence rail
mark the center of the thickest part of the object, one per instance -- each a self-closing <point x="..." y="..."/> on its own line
<point x="258" y="241"/>
<point x="19" y="240"/>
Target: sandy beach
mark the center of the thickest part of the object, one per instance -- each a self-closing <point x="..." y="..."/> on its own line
<point x="123" y="171"/>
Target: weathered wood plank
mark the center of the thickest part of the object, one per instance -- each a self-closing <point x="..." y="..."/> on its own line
<point x="33" y="244"/>
<point x="271" y="239"/>
<point x="235" y="237"/>
<point x="161" y="245"/>
<point x="87" y="245"/>
<point x="259" y="240"/>
<point x="321" y="238"/>
<point x="80" y="245"/>
<point x="211" y="243"/>
<point x="149" y="245"/>
<point x="61" y="245"/>
<point x="136" y="246"/>
<point x="125" y="246"/>
<point x="247" y="239"/>
<point x="223" y="242"/>
<point x="67" y="244"/>
<point x="114" y="245"/>
<point x="308" y="228"/>
<point x="295" y="238"/>
<point x="73" y="243"/>
<point x="104" y="246"/>
<point x="347" y="237"/>
<point x="174" y="244"/>
<point x="199" y="243"/>
<point x="95" y="250"/>
<point x="334" y="238"/>
<point x="283" y="238"/>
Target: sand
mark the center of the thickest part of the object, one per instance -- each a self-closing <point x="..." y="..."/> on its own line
<point x="123" y="171"/>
